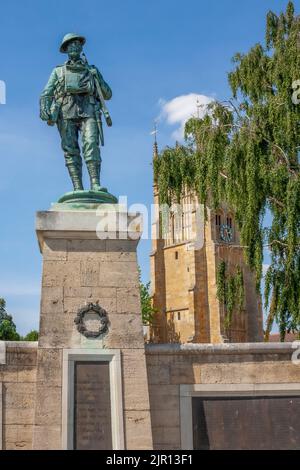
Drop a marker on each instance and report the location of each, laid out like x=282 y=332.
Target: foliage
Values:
x=3 y=313
x=8 y=331
x=246 y=151
x=230 y=291
x=173 y=172
x=33 y=335
x=147 y=308
x=221 y=281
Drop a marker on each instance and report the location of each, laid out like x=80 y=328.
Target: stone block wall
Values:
x=17 y=383
x=184 y=287
x=79 y=269
x=171 y=366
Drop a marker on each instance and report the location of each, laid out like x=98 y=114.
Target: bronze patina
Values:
x=74 y=100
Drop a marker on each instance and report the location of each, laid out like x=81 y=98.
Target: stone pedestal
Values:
x=87 y=262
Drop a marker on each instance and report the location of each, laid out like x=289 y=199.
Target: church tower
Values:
x=189 y=251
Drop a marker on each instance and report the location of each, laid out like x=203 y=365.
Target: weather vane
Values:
x=154 y=132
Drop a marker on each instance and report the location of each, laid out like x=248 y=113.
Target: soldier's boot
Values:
x=94 y=172
x=75 y=173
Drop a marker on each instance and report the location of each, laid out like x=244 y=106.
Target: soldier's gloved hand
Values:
x=45 y=104
x=44 y=114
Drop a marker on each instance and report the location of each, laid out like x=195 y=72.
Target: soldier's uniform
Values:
x=71 y=101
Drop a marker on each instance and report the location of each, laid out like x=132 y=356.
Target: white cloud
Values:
x=180 y=109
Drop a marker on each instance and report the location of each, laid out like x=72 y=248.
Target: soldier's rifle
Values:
x=102 y=102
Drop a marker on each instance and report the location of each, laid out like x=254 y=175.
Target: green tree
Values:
x=230 y=291
x=246 y=151
x=8 y=331
x=147 y=308
x=2 y=309
x=33 y=335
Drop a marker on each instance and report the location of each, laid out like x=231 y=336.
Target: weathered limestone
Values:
x=184 y=280
x=17 y=395
x=152 y=387
x=174 y=372
x=227 y=369
x=84 y=264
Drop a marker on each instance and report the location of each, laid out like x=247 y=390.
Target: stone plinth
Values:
x=89 y=260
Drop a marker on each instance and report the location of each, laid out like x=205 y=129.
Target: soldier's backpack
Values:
x=78 y=80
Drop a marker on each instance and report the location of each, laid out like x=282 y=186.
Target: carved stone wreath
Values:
x=81 y=324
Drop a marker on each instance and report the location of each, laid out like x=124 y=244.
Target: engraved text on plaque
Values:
x=92 y=407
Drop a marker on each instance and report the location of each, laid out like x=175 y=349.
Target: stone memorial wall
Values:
x=176 y=374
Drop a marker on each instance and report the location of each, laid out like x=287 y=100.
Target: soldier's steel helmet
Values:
x=70 y=37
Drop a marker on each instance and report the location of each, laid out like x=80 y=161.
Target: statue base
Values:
x=91 y=335
x=82 y=199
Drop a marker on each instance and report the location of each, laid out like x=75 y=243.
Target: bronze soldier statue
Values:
x=74 y=100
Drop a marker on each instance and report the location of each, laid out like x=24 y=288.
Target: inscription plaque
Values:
x=92 y=406
x=246 y=423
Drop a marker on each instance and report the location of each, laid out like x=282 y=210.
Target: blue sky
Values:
x=150 y=52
